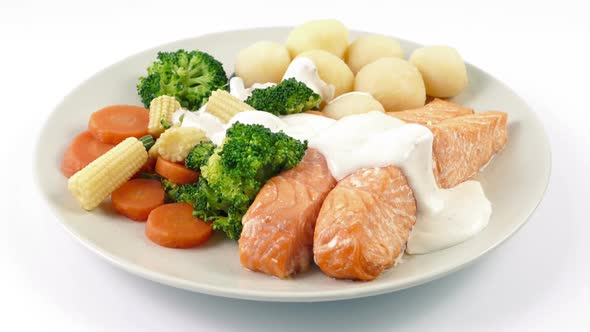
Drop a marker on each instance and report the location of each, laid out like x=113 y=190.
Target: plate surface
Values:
x=514 y=181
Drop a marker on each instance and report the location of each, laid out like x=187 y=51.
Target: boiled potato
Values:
x=369 y=48
x=395 y=83
x=442 y=69
x=332 y=70
x=262 y=62
x=327 y=35
x=352 y=103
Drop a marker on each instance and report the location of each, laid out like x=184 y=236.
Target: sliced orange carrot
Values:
x=175 y=172
x=137 y=198
x=174 y=226
x=115 y=123
x=82 y=151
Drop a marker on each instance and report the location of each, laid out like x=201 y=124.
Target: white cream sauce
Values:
x=445 y=216
x=304 y=70
x=239 y=90
x=214 y=129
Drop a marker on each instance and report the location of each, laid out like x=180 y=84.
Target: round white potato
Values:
x=395 y=83
x=332 y=70
x=369 y=48
x=352 y=103
x=262 y=62
x=442 y=69
x=327 y=35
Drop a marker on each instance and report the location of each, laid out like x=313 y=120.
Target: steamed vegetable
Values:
x=100 y=178
x=288 y=97
x=137 y=198
x=161 y=110
x=82 y=151
x=175 y=172
x=234 y=173
x=174 y=226
x=171 y=190
x=199 y=155
x=176 y=143
x=190 y=77
x=224 y=106
x=115 y=123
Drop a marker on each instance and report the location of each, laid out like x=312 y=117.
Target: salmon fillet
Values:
x=464 y=144
x=278 y=228
x=432 y=113
x=464 y=141
x=365 y=221
x=364 y=224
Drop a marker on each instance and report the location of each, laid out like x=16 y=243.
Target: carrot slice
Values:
x=174 y=226
x=175 y=172
x=115 y=123
x=137 y=198
x=82 y=151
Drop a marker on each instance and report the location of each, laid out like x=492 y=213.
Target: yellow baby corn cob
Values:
x=161 y=110
x=224 y=106
x=175 y=143
x=91 y=185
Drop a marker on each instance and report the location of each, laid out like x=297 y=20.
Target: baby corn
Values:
x=224 y=106
x=175 y=143
x=95 y=182
x=161 y=110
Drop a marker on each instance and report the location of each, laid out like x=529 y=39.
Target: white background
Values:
x=539 y=280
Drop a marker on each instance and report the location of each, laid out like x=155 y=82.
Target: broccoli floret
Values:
x=187 y=193
x=188 y=76
x=171 y=189
x=199 y=155
x=179 y=193
x=288 y=97
x=233 y=173
x=249 y=156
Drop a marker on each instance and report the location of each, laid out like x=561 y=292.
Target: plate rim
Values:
x=262 y=295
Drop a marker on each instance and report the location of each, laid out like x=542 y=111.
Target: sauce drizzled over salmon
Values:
x=390 y=196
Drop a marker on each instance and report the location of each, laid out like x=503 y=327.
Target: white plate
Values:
x=514 y=182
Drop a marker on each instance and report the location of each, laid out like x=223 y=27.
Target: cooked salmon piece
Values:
x=278 y=230
x=432 y=113
x=364 y=224
x=464 y=144
x=365 y=221
x=464 y=141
